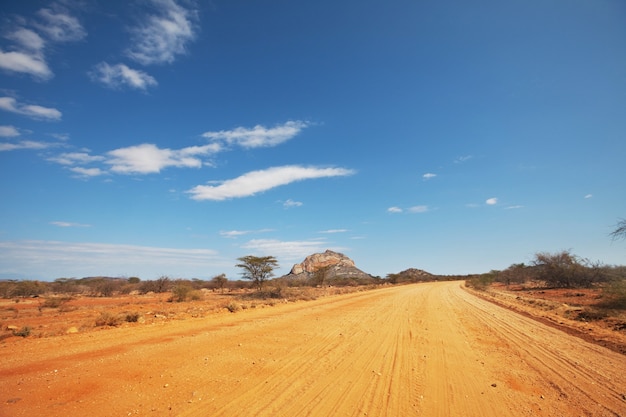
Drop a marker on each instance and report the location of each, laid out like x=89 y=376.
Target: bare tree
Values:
x=620 y=230
x=257 y=269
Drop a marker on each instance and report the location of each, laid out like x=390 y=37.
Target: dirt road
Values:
x=418 y=350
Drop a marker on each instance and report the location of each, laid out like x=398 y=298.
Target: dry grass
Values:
x=55 y=315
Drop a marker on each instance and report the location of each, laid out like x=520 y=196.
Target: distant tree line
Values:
x=553 y=270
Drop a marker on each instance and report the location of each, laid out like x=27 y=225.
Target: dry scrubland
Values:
x=58 y=314
x=430 y=349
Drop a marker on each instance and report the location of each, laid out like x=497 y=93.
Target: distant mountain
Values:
x=413 y=275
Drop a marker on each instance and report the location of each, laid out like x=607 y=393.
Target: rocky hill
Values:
x=332 y=264
x=412 y=275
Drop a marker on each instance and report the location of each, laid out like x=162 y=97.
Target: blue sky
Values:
x=162 y=137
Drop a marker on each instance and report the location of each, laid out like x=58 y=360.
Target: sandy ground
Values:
x=424 y=350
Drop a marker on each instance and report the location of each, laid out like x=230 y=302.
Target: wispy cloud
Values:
x=286 y=250
x=120 y=75
x=588 y=196
x=162 y=35
x=69 y=224
x=333 y=231
x=87 y=172
x=258 y=136
x=8 y=131
x=291 y=203
x=63 y=259
x=514 y=207
x=429 y=176
x=148 y=158
x=237 y=233
x=31 y=110
x=257 y=181
x=491 y=201
x=463 y=159
x=26 y=144
x=27 y=56
x=413 y=209
x=74 y=158
x=58 y=25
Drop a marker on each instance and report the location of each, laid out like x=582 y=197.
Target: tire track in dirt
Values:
x=417 y=350
x=577 y=371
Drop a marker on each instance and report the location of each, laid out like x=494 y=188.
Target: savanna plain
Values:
x=427 y=349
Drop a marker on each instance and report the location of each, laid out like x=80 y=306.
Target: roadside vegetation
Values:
x=562 y=285
x=64 y=298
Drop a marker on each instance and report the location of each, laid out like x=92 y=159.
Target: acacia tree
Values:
x=220 y=281
x=257 y=269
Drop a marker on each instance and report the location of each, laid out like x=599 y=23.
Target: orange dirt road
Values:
x=418 y=350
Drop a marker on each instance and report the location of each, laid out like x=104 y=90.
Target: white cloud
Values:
x=8 y=131
x=87 y=172
x=237 y=233
x=291 y=203
x=162 y=36
x=26 y=63
x=263 y=180
x=514 y=207
x=115 y=76
x=588 y=196
x=59 y=25
x=36 y=112
x=69 y=224
x=258 y=136
x=413 y=209
x=429 y=176
x=491 y=201
x=26 y=144
x=74 y=158
x=332 y=231
x=148 y=158
x=28 y=57
x=27 y=39
x=52 y=259
x=289 y=250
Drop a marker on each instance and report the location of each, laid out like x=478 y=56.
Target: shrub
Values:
x=23 y=332
x=615 y=295
x=481 y=282
x=233 y=307
x=195 y=295
x=180 y=292
x=55 y=302
x=566 y=270
x=132 y=317
x=108 y=319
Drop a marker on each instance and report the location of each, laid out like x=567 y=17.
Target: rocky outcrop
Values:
x=335 y=265
x=321 y=260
